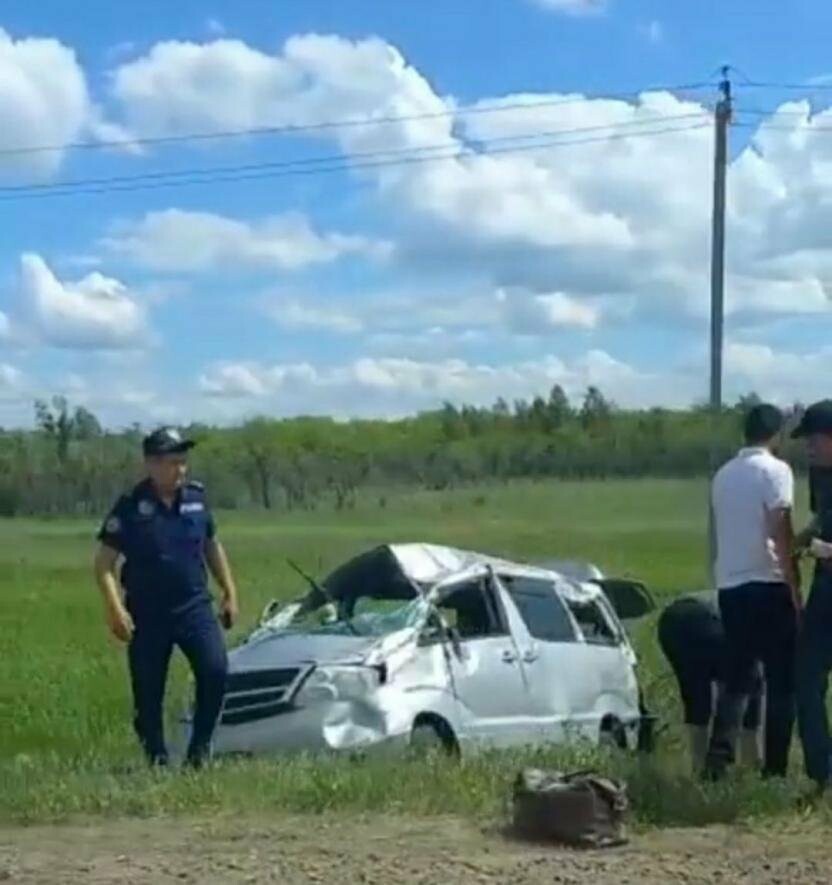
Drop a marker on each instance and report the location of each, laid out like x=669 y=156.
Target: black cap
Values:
x=816 y=419
x=166 y=441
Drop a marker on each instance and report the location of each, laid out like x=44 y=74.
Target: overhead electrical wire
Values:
x=341 y=163
x=349 y=123
x=805 y=87
x=359 y=156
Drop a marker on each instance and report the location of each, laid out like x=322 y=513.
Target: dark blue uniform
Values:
x=815 y=653
x=166 y=593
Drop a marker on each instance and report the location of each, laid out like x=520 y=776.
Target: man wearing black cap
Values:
x=815 y=649
x=164 y=533
x=759 y=593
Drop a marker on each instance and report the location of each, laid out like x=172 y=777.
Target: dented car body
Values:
x=414 y=642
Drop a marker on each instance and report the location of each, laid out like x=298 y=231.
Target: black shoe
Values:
x=196 y=759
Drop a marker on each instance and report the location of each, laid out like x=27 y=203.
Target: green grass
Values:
x=64 y=698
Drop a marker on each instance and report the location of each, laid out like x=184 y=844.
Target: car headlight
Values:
x=337 y=683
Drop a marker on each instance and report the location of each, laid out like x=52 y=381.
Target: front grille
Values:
x=258 y=694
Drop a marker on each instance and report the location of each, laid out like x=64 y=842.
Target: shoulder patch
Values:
x=146 y=507
x=113 y=525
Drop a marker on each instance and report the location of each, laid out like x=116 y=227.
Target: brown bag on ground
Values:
x=581 y=809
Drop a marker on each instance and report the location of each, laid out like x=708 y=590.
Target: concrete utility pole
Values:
x=722 y=121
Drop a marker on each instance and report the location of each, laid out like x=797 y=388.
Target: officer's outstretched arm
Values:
x=221 y=570
x=118 y=618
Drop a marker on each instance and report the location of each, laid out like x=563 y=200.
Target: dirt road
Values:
x=381 y=851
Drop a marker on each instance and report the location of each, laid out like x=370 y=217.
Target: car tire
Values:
x=613 y=735
x=432 y=738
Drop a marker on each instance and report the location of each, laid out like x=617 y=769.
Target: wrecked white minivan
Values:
x=421 y=644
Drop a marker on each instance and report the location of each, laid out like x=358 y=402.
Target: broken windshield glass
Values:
x=373 y=619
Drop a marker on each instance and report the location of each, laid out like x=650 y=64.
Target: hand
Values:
x=120 y=623
x=229 y=612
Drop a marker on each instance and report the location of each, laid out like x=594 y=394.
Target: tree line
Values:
x=70 y=464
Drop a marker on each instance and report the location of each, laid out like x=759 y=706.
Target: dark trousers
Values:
x=814 y=665
x=760 y=625
x=693 y=642
x=197 y=634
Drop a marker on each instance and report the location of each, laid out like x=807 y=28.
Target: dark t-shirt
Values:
x=163 y=548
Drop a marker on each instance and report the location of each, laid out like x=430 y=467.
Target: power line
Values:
x=343 y=165
x=773 y=127
x=359 y=157
x=805 y=87
x=350 y=123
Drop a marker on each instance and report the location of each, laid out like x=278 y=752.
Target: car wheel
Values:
x=432 y=738
x=613 y=735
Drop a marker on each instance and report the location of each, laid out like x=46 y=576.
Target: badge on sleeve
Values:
x=146 y=508
x=113 y=525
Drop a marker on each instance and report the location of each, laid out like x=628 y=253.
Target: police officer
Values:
x=693 y=642
x=164 y=534
x=815 y=646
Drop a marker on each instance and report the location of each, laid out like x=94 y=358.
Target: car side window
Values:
x=541 y=608
x=473 y=610
x=593 y=622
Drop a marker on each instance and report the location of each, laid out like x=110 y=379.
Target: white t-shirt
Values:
x=744 y=492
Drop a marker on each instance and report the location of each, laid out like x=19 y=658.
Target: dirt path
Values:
x=380 y=851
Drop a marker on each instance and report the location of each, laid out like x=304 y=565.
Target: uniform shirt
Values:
x=163 y=548
x=820 y=500
x=744 y=492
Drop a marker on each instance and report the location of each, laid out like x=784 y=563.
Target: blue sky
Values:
x=384 y=291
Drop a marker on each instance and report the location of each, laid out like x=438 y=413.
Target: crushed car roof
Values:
x=401 y=570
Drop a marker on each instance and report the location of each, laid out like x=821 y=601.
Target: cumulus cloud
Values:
x=179 y=240
x=536 y=313
x=44 y=101
x=95 y=312
x=294 y=315
x=622 y=219
x=394 y=385
x=11 y=382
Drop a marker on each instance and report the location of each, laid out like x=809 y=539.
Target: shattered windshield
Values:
x=371 y=618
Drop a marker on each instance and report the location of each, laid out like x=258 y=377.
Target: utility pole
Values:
x=722 y=121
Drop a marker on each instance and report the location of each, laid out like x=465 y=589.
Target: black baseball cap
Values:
x=166 y=441
x=816 y=419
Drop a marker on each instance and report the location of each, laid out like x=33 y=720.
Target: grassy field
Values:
x=66 y=745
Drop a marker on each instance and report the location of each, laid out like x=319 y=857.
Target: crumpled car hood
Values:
x=279 y=649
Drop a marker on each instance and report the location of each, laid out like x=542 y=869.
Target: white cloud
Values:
x=294 y=315
x=613 y=220
x=782 y=376
x=43 y=102
x=394 y=385
x=95 y=312
x=179 y=240
x=11 y=382
x=538 y=313
x=574 y=7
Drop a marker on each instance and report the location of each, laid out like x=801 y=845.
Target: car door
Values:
x=562 y=680
x=606 y=651
x=495 y=707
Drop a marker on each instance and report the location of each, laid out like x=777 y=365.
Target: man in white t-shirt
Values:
x=759 y=594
